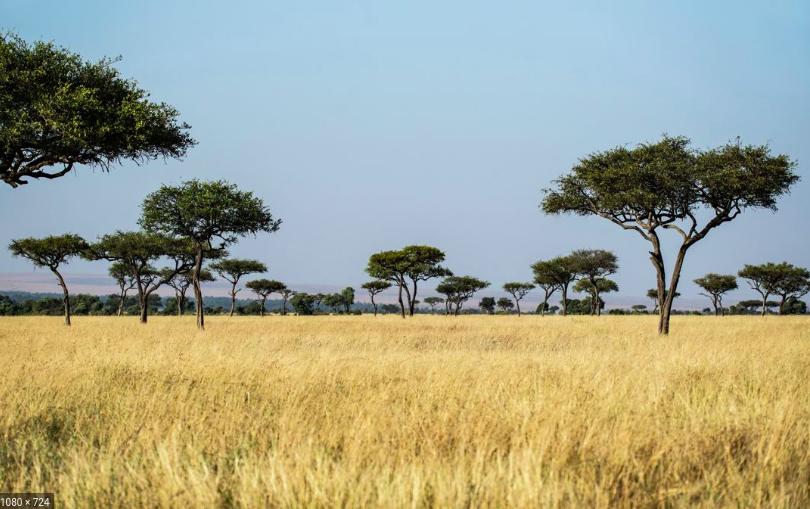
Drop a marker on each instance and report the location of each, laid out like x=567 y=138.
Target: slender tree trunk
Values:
x=198 y=297
x=180 y=302
x=142 y=298
x=598 y=304
x=764 y=302
x=145 y=307
x=121 y=302
x=65 y=295
x=666 y=309
x=407 y=294
x=261 y=310
x=782 y=305
x=283 y=305
x=401 y=303
x=233 y=297
x=412 y=300
x=565 y=300
x=661 y=283
x=374 y=304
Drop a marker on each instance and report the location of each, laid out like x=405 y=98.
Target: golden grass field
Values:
x=434 y=411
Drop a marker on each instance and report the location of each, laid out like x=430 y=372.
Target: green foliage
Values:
x=715 y=285
x=51 y=251
x=460 y=289
x=57 y=110
x=233 y=269
x=669 y=185
x=409 y=264
x=204 y=211
x=303 y=303
x=375 y=287
x=505 y=304
x=487 y=304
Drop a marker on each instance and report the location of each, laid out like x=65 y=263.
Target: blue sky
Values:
x=372 y=125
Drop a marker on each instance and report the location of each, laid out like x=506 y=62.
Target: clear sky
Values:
x=372 y=125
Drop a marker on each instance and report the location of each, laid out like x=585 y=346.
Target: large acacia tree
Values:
x=668 y=185
x=232 y=270
x=206 y=213
x=52 y=252
x=58 y=111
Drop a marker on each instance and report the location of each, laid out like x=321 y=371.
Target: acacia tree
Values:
x=410 y=264
x=763 y=279
x=58 y=111
x=205 y=212
x=459 y=289
x=545 y=277
x=262 y=288
x=138 y=251
x=505 y=304
x=180 y=282
x=432 y=301
x=594 y=289
x=594 y=265
x=557 y=273
x=51 y=252
x=518 y=291
x=123 y=278
x=669 y=186
x=285 y=294
x=374 y=288
x=487 y=304
x=714 y=286
x=232 y=270
x=793 y=285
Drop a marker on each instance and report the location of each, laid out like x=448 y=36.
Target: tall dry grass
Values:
x=430 y=411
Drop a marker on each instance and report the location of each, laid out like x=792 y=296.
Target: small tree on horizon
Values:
x=263 y=288
x=180 y=282
x=374 y=288
x=233 y=269
x=123 y=278
x=556 y=274
x=505 y=304
x=594 y=265
x=432 y=301
x=52 y=252
x=459 y=289
x=667 y=185
x=518 y=290
x=595 y=288
x=715 y=286
x=487 y=304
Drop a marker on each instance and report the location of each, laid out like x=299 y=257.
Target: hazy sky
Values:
x=372 y=125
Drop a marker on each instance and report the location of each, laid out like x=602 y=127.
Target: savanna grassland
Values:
x=432 y=411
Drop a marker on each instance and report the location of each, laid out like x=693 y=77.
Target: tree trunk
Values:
x=374 y=304
x=517 y=306
x=142 y=299
x=412 y=300
x=261 y=311
x=65 y=295
x=233 y=298
x=145 y=307
x=121 y=303
x=597 y=303
x=401 y=303
x=283 y=305
x=198 y=298
x=782 y=305
x=565 y=300
x=179 y=301
x=661 y=284
x=666 y=309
